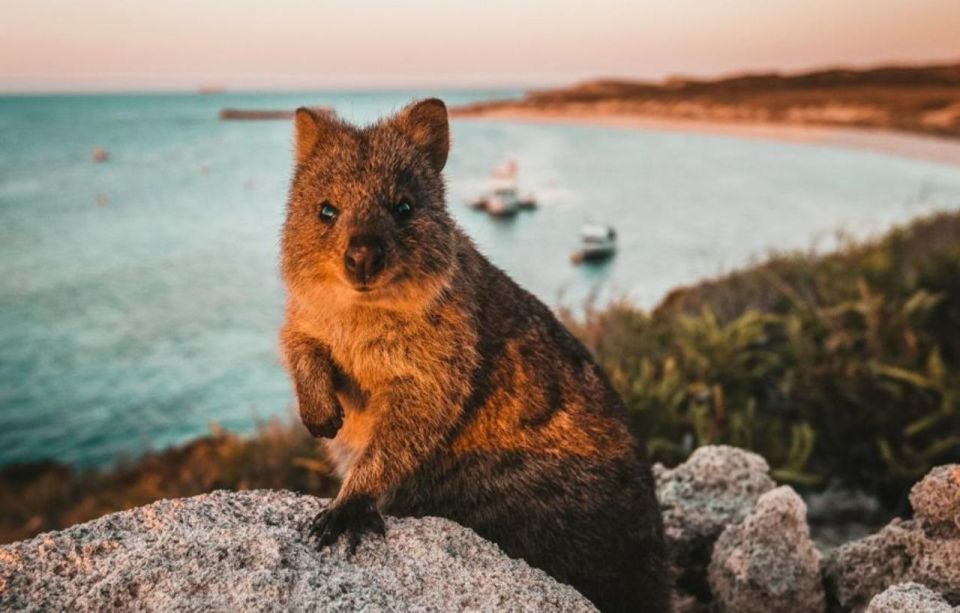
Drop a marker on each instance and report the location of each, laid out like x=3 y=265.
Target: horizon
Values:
x=218 y=89
x=106 y=46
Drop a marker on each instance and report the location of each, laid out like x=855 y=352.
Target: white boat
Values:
x=503 y=199
x=599 y=243
x=501 y=205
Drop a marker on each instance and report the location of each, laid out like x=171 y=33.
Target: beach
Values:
x=939 y=149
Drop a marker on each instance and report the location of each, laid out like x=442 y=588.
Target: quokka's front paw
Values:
x=353 y=517
x=322 y=418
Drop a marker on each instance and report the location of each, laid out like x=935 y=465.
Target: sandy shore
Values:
x=917 y=146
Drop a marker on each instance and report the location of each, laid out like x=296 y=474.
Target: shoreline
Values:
x=936 y=149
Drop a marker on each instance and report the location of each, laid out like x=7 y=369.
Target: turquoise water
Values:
x=139 y=298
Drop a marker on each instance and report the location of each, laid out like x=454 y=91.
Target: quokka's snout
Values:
x=365 y=258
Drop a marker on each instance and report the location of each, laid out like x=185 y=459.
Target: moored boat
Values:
x=503 y=199
x=598 y=244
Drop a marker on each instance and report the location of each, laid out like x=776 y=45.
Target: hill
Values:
x=923 y=99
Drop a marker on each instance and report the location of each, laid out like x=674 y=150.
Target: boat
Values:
x=503 y=199
x=599 y=243
x=501 y=205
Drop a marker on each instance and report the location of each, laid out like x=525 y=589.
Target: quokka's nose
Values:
x=364 y=258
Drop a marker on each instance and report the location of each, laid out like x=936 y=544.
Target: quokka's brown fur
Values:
x=443 y=387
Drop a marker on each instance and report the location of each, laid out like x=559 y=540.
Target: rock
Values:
x=905 y=597
x=716 y=486
x=936 y=501
x=923 y=550
x=244 y=551
x=768 y=562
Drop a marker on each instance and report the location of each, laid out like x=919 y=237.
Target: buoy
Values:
x=99 y=154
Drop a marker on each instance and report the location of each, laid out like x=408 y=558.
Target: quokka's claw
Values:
x=351 y=517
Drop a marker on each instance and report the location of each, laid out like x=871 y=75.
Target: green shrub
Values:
x=842 y=366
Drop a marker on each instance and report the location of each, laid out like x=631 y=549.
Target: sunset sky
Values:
x=177 y=44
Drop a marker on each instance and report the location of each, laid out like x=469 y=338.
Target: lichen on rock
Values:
x=246 y=551
x=906 y=597
x=924 y=550
x=768 y=562
x=717 y=486
x=936 y=501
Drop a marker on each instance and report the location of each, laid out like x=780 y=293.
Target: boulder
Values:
x=242 y=551
x=936 y=501
x=768 y=562
x=924 y=550
x=715 y=487
x=905 y=597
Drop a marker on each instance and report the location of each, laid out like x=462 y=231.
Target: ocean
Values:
x=140 y=297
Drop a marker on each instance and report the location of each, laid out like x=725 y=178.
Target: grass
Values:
x=838 y=367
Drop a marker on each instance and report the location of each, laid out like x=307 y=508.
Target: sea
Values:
x=140 y=296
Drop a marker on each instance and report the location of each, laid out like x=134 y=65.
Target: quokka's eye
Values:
x=403 y=209
x=328 y=212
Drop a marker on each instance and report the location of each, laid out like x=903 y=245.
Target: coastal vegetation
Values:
x=44 y=496
x=923 y=99
x=839 y=367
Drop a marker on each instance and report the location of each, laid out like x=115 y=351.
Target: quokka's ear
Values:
x=311 y=126
x=425 y=122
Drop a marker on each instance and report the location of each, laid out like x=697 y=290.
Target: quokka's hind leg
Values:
x=632 y=579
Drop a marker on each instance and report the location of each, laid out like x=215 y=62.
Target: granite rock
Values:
x=905 y=597
x=247 y=551
x=923 y=550
x=768 y=562
x=936 y=501
x=717 y=486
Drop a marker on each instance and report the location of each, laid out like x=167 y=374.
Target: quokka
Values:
x=443 y=388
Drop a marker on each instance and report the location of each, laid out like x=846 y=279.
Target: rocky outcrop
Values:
x=768 y=562
x=906 y=597
x=924 y=550
x=736 y=543
x=720 y=509
x=717 y=486
x=247 y=551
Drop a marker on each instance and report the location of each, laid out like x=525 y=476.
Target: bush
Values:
x=833 y=367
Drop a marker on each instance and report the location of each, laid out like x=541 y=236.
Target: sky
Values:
x=291 y=44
